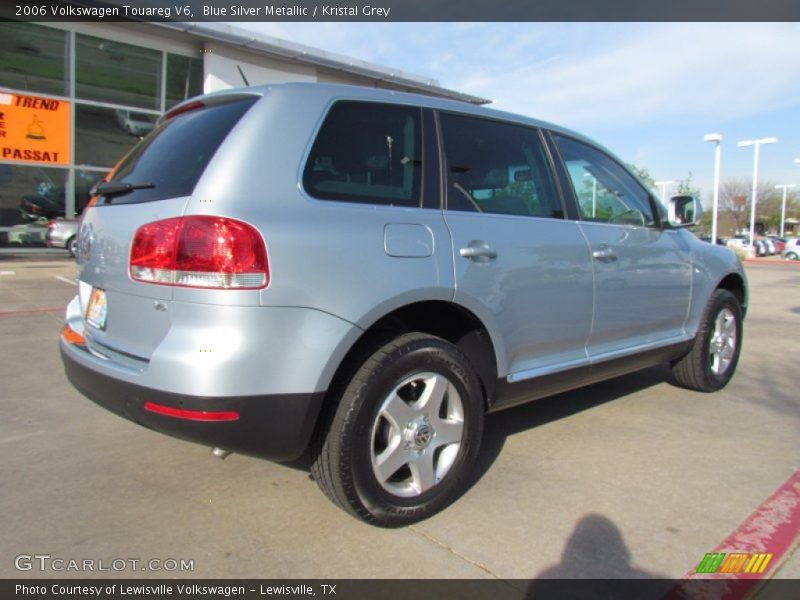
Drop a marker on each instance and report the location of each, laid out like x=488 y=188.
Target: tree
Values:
x=734 y=198
x=684 y=187
x=643 y=174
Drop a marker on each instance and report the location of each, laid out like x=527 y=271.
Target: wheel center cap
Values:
x=419 y=434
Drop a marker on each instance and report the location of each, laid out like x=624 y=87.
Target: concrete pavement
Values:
x=628 y=478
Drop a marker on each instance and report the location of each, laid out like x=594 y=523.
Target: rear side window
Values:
x=173 y=157
x=498 y=168
x=367 y=152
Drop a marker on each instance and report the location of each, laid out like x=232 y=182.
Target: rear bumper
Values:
x=274 y=426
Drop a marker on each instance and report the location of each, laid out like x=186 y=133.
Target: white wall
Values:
x=220 y=70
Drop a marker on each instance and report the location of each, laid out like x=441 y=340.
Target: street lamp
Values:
x=664 y=185
x=594 y=193
x=784 y=187
x=717 y=139
x=757 y=143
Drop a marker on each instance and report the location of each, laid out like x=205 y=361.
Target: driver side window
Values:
x=605 y=191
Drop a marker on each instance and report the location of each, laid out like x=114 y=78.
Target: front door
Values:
x=642 y=272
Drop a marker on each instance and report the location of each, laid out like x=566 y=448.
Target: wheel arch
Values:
x=441 y=318
x=734 y=283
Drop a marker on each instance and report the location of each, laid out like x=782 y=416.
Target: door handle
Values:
x=604 y=254
x=479 y=251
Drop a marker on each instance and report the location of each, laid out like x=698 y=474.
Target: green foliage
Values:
x=644 y=175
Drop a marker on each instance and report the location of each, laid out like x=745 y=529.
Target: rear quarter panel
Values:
x=326 y=255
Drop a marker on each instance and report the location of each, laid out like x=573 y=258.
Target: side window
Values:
x=367 y=152
x=606 y=192
x=498 y=168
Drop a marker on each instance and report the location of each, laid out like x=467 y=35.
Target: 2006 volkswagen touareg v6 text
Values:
x=358 y=276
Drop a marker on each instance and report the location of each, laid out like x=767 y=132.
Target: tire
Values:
x=389 y=456
x=792 y=256
x=711 y=362
x=72 y=246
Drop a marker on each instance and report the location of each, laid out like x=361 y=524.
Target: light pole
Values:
x=663 y=185
x=754 y=198
x=594 y=193
x=717 y=139
x=784 y=187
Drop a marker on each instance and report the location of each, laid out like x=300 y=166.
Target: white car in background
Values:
x=138 y=124
x=792 y=249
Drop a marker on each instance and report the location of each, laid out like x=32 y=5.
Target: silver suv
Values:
x=358 y=276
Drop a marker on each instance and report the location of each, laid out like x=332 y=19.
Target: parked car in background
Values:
x=780 y=243
x=772 y=249
x=137 y=124
x=359 y=276
x=707 y=238
x=46 y=203
x=63 y=233
x=792 y=249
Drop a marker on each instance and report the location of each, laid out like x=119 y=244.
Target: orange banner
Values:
x=34 y=129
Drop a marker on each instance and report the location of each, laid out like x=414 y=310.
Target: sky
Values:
x=647 y=91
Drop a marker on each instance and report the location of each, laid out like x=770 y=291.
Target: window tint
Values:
x=367 y=152
x=606 y=192
x=174 y=156
x=497 y=168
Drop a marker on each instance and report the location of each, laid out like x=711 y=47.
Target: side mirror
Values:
x=684 y=211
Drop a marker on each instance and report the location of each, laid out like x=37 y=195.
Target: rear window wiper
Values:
x=113 y=188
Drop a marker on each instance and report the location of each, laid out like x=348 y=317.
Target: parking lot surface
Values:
x=628 y=478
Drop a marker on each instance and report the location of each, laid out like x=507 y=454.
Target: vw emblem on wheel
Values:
x=423 y=435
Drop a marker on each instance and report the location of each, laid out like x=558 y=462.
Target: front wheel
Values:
x=711 y=362
x=405 y=434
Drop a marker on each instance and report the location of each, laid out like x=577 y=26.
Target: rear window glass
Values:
x=367 y=152
x=173 y=157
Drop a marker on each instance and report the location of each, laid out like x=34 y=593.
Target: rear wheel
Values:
x=72 y=246
x=792 y=256
x=711 y=362
x=405 y=434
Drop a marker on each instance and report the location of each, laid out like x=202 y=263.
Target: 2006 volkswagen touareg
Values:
x=359 y=276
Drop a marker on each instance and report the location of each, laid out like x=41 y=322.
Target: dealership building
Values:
x=75 y=97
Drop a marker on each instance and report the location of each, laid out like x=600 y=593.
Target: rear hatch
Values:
x=152 y=183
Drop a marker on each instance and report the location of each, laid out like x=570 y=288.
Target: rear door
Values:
x=519 y=264
x=642 y=272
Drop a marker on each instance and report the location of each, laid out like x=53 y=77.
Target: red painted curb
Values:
x=773 y=528
x=761 y=261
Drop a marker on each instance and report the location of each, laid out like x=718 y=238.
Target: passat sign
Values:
x=34 y=129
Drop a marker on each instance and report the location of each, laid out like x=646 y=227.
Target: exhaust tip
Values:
x=220 y=453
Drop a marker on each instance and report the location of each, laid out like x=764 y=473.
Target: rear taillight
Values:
x=200 y=251
x=51 y=224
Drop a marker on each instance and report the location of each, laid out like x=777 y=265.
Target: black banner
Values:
x=390 y=589
x=401 y=10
